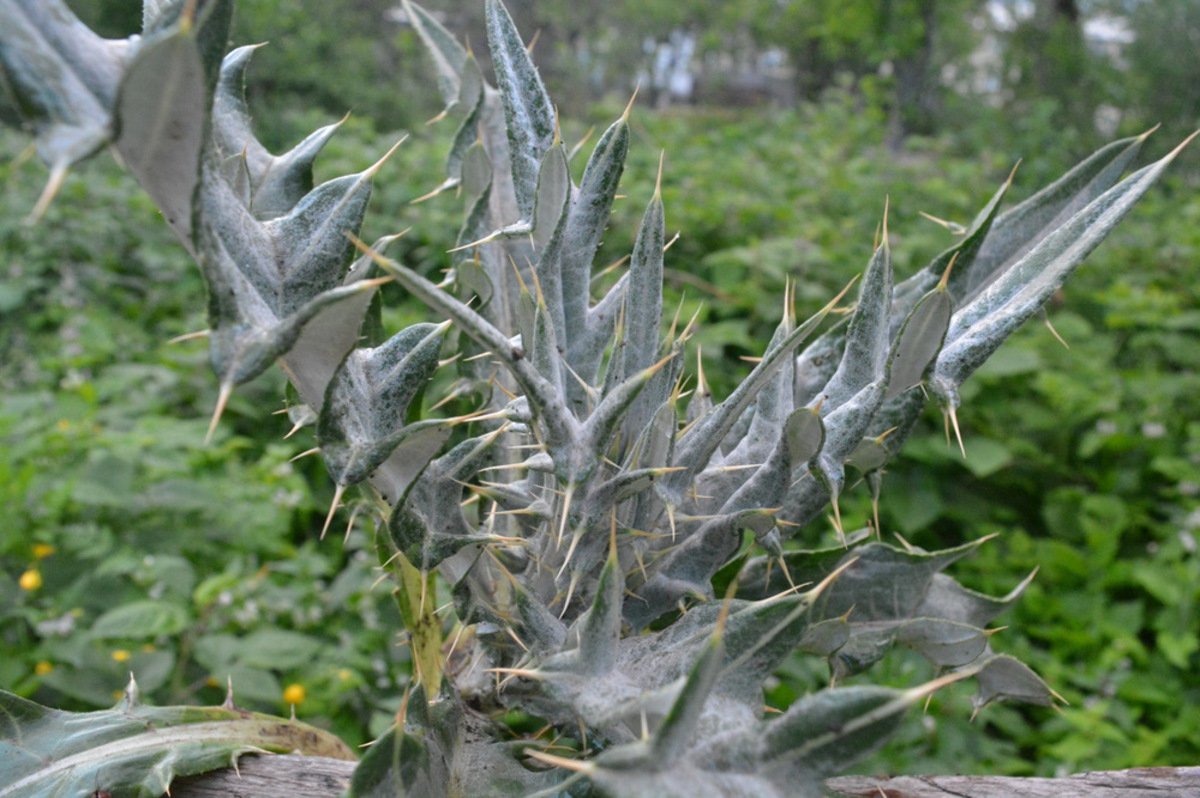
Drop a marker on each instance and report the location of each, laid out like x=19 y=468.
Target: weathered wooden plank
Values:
x=279 y=776
x=270 y=776
x=1163 y=782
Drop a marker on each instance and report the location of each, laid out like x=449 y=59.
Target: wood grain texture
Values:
x=270 y=776
x=289 y=776
x=1183 y=782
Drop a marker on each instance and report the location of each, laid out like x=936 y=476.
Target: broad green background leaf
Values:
x=142 y=620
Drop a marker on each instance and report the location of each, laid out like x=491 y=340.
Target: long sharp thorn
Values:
x=189 y=336
x=837 y=521
x=333 y=506
x=1054 y=332
x=570 y=553
x=832 y=577
x=942 y=283
x=350 y=525
x=487 y=239
x=304 y=454
x=375 y=167
x=957 y=432
x=57 y=175
x=786 y=573
x=580 y=144
x=887 y=201
x=229 y=704
x=562 y=526
x=570 y=593
x=222 y=399
x=575 y=765
x=629 y=106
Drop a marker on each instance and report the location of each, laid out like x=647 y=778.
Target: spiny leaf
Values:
x=267 y=279
x=601 y=633
x=1018 y=230
x=643 y=300
x=134 y=749
x=1004 y=678
x=528 y=113
x=679 y=726
x=325 y=339
x=863 y=360
x=697 y=445
x=827 y=732
x=275 y=183
x=919 y=341
x=978 y=329
x=162 y=105
x=587 y=218
x=562 y=430
x=64 y=79
x=366 y=403
x=447 y=54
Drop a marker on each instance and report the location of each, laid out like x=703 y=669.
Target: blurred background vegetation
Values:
x=128 y=546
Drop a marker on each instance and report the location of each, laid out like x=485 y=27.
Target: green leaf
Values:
x=643 y=298
x=946 y=644
x=277 y=649
x=141 y=620
x=473 y=94
x=986 y=456
x=679 y=726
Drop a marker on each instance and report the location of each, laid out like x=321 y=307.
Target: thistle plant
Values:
x=579 y=514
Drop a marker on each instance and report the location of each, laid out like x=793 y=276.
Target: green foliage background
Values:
x=191 y=565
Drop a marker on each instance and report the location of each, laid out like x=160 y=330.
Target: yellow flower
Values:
x=344 y=675
x=63 y=425
x=294 y=694
x=121 y=655
x=43 y=667
x=42 y=550
x=30 y=580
